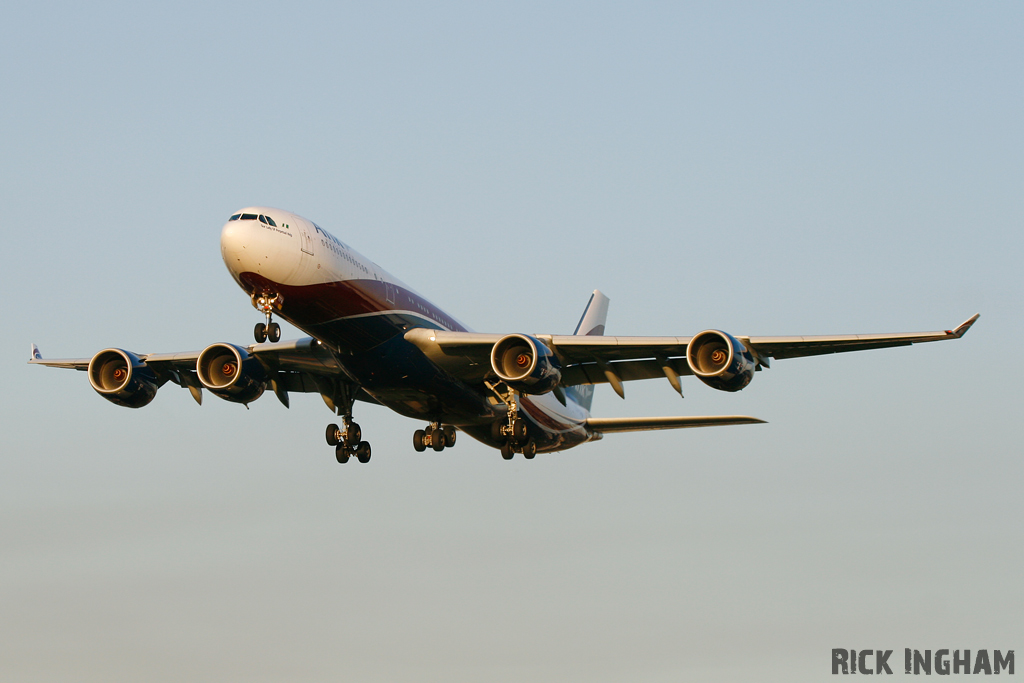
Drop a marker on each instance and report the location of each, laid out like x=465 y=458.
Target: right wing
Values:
x=299 y=366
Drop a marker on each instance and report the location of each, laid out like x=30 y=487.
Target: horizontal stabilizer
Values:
x=608 y=425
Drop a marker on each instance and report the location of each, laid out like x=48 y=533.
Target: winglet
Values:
x=966 y=325
x=35 y=354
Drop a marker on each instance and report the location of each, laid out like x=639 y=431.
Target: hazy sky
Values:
x=790 y=169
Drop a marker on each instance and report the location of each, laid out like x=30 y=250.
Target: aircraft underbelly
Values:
x=399 y=376
x=366 y=322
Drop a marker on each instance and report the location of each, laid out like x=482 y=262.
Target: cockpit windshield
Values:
x=266 y=220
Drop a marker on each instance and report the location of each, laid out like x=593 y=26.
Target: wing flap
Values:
x=627 y=371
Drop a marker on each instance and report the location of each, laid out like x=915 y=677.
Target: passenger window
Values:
x=248 y=217
x=235 y=217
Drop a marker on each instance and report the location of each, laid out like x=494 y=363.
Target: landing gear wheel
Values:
x=449 y=436
x=274 y=332
x=530 y=449
x=341 y=452
x=437 y=439
x=506 y=451
x=363 y=451
x=496 y=430
x=333 y=432
x=417 y=440
x=260 y=332
x=354 y=434
x=519 y=431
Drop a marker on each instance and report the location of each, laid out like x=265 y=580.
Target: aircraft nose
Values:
x=236 y=240
x=249 y=246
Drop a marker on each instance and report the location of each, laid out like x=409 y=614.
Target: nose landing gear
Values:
x=269 y=330
x=264 y=331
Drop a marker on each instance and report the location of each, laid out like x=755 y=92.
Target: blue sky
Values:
x=805 y=168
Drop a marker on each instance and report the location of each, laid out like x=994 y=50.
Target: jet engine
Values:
x=525 y=364
x=122 y=378
x=720 y=360
x=230 y=373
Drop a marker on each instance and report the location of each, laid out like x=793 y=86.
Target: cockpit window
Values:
x=270 y=221
x=235 y=217
x=263 y=219
x=248 y=217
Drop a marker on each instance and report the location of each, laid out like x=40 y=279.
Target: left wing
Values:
x=597 y=359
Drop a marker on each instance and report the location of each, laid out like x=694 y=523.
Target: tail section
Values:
x=591 y=324
x=594 y=316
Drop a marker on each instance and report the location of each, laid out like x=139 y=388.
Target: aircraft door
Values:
x=305 y=238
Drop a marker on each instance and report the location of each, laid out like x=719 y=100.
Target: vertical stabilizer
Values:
x=591 y=324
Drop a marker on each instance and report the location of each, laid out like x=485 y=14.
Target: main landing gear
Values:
x=347 y=441
x=436 y=436
x=269 y=330
x=512 y=433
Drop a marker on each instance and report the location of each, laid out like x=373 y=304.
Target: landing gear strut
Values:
x=436 y=436
x=268 y=330
x=513 y=432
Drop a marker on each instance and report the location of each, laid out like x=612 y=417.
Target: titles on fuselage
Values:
x=344 y=251
x=340 y=248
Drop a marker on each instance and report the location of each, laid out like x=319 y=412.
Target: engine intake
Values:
x=526 y=364
x=122 y=378
x=720 y=360
x=231 y=373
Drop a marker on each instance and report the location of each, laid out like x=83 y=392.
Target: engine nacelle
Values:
x=230 y=373
x=122 y=378
x=720 y=360
x=526 y=364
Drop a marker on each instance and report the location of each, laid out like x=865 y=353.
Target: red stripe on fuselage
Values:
x=329 y=301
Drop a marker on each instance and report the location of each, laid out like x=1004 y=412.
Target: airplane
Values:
x=374 y=339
